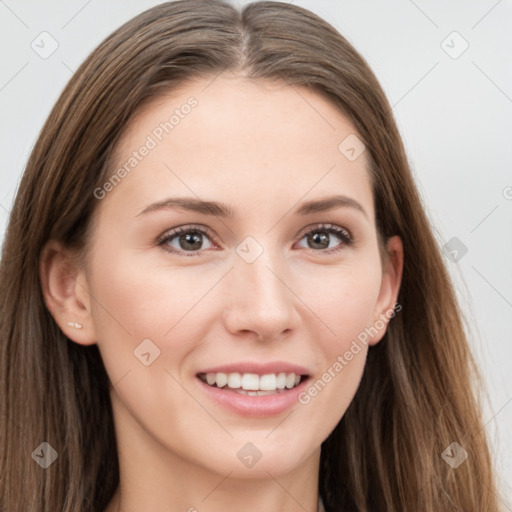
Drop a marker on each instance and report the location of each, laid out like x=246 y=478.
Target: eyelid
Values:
x=325 y=226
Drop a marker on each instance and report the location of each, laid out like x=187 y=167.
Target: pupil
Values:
x=193 y=239
x=320 y=238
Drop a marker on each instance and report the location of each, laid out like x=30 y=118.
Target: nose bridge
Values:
x=260 y=300
x=264 y=283
x=261 y=278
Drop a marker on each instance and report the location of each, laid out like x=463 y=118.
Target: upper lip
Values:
x=258 y=368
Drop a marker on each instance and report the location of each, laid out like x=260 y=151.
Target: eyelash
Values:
x=342 y=233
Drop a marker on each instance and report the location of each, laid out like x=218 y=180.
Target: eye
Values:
x=189 y=240
x=321 y=237
x=186 y=239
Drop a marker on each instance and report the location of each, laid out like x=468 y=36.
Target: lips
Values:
x=253 y=389
x=256 y=404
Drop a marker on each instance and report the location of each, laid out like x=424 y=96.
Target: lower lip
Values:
x=254 y=406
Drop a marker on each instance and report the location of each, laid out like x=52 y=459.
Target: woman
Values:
x=220 y=288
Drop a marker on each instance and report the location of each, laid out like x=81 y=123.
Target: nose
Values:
x=261 y=298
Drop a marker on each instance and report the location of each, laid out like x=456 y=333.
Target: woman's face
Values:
x=235 y=287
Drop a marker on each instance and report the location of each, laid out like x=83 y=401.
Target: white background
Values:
x=455 y=115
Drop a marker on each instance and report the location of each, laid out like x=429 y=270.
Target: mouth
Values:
x=253 y=384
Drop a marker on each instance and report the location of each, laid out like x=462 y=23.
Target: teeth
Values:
x=281 y=381
x=220 y=378
x=257 y=393
x=268 y=382
x=252 y=383
x=234 y=380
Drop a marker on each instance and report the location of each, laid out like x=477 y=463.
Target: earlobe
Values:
x=65 y=292
x=390 y=287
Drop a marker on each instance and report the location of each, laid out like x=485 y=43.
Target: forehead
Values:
x=243 y=140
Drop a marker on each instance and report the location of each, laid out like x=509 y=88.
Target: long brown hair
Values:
x=418 y=392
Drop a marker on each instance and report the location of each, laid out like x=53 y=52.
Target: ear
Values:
x=393 y=262
x=66 y=292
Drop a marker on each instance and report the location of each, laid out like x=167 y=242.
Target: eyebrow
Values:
x=329 y=203
x=222 y=210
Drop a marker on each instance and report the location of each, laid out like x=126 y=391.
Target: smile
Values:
x=253 y=384
x=254 y=390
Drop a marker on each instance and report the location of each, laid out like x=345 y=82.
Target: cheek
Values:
x=136 y=301
x=345 y=304
x=147 y=300
x=344 y=300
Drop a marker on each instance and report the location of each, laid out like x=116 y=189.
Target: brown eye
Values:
x=323 y=238
x=319 y=240
x=186 y=240
x=190 y=241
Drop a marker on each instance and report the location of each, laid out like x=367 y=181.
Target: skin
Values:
x=263 y=149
